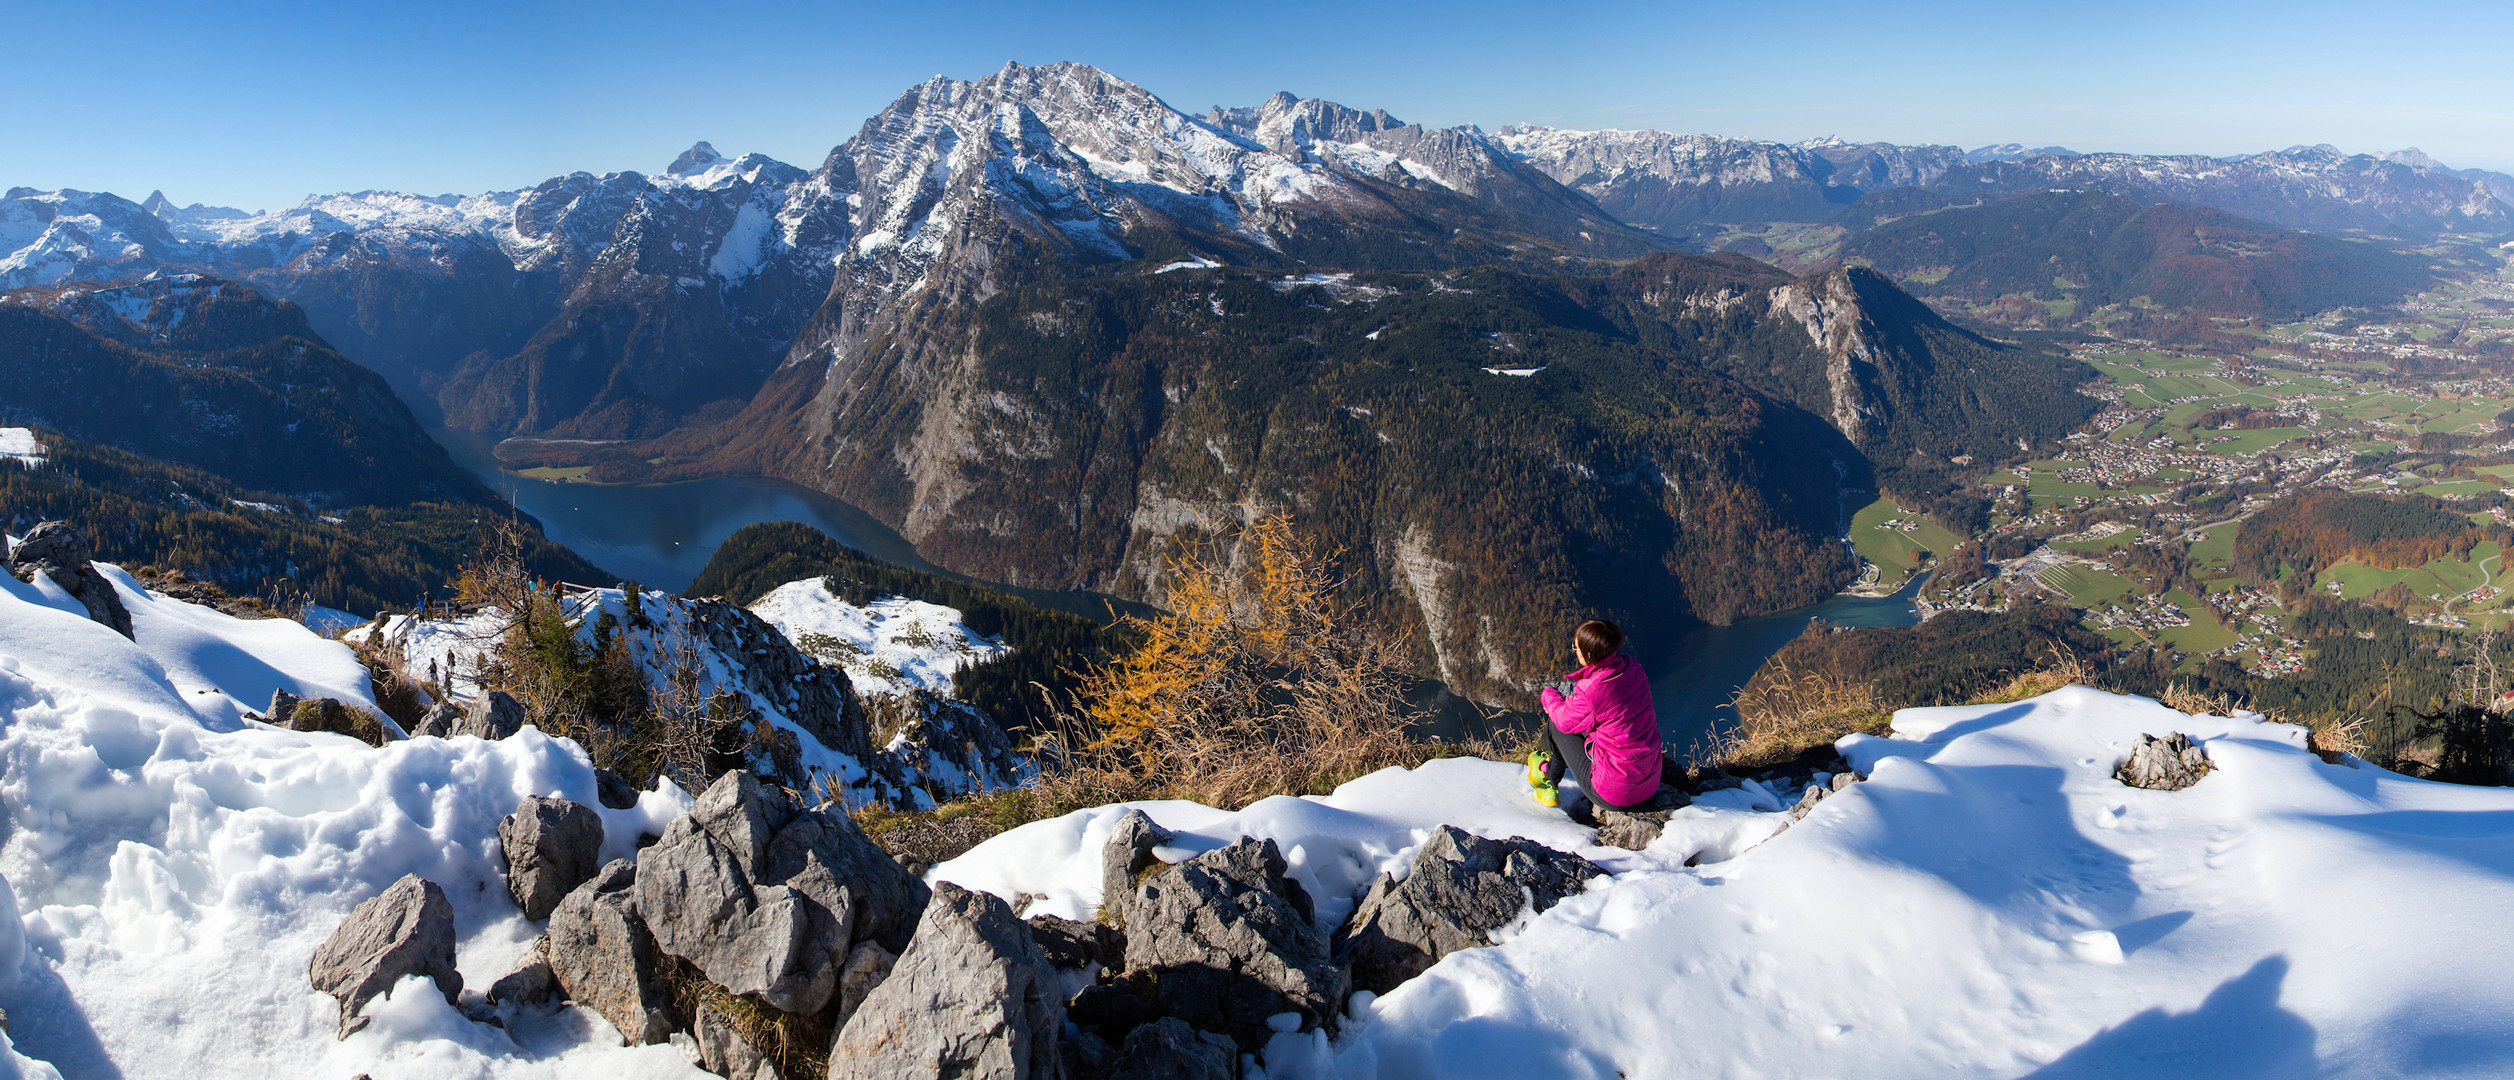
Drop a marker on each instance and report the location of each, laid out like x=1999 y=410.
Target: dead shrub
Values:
x=1263 y=680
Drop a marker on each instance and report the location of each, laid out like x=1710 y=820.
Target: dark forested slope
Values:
x=2098 y=248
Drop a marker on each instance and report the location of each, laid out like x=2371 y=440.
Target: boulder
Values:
x=283 y=706
x=604 y=958
x=530 y=982
x=768 y=899
x=440 y=721
x=58 y=550
x=867 y=966
x=552 y=846
x=1168 y=1049
x=722 y=1048
x=1125 y=858
x=971 y=997
x=1633 y=829
x=1460 y=888
x=1225 y=941
x=1071 y=945
x=408 y=929
x=492 y=715
x=613 y=791
x=2171 y=763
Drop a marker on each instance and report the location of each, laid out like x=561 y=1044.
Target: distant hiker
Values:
x=1606 y=731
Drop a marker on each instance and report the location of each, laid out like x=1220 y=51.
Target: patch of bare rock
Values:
x=775 y=941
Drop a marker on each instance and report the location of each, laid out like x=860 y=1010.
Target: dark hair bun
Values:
x=1598 y=639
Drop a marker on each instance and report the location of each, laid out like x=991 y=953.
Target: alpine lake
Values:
x=661 y=535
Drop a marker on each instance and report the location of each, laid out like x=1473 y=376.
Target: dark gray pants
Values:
x=1571 y=753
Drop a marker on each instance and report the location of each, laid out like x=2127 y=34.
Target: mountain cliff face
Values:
x=598 y=306
x=213 y=375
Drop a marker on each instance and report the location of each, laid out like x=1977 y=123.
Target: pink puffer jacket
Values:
x=1610 y=703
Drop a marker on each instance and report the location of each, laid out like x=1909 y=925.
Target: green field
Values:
x=2087 y=586
x=1898 y=552
x=574 y=473
x=2215 y=550
x=2435 y=580
x=2457 y=487
x=2205 y=634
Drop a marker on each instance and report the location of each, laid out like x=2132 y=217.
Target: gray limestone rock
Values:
x=59 y=551
x=552 y=846
x=283 y=705
x=1124 y=859
x=1224 y=941
x=867 y=966
x=531 y=982
x=723 y=1051
x=1071 y=945
x=1460 y=888
x=604 y=958
x=613 y=791
x=1168 y=1049
x=408 y=929
x=440 y=721
x=971 y=997
x=492 y=715
x=768 y=899
x=2171 y=763
x=1633 y=829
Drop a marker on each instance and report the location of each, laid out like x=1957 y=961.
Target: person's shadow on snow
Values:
x=2239 y=1031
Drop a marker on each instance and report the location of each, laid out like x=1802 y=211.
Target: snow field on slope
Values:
x=1989 y=903
x=899 y=644
x=176 y=869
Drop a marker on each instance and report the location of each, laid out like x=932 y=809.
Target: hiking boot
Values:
x=1538 y=759
x=1546 y=794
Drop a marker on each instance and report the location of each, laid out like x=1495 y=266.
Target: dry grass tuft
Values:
x=1782 y=713
x=798 y=1044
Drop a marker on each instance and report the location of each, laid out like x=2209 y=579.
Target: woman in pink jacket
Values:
x=1606 y=731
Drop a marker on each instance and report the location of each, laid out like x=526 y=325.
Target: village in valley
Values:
x=2134 y=520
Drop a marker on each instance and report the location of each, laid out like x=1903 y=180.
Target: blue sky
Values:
x=257 y=104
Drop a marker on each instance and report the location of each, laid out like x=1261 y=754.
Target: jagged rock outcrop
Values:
x=1125 y=858
x=1225 y=941
x=767 y=898
x=440 y=721
x=408 y=929
x=58 y=550
x=971 y=997
x=2171 y=763
x=492 y=715
x=1460 y=888
x=604 y=958
x=552 y=846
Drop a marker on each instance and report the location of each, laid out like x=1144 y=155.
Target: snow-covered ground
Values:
x=174 y=866
x=889 y=646
x=1990 y=902
x=20 y=445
